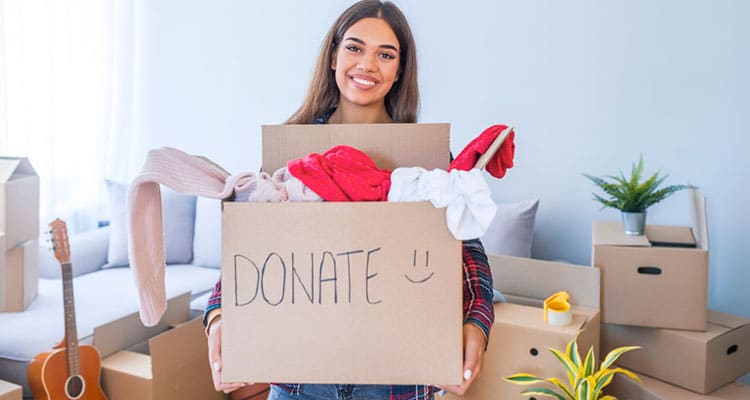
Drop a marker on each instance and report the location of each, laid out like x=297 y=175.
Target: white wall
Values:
x=589 y=85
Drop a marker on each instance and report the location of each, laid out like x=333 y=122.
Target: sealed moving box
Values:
x=658 y=279
x=20 y=276
x=699 y=361
x=653 y=389
x=520 y=339
x=19 y=201
x=168 y=361
x=343 y=292
x=10 y=391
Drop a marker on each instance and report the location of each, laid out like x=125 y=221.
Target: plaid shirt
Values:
x=477 y=288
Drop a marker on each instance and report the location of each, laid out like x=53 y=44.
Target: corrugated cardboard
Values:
x=390 y=146
x=21 y=276
x=19 y=201
x=653 y=389
x=10 y=391
x=395 y=304
x=699 y=361
x=520 y=339
x=256 y=391
x=169 y=366
x=654 y=279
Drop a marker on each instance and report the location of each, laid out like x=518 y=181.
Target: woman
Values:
x=367 y=73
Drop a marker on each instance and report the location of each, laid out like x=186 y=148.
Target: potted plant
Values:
x=585 y=382
x=632 y=196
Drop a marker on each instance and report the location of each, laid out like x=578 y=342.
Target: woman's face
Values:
x=366 y=62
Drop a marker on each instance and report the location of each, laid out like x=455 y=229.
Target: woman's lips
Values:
x=363 y=81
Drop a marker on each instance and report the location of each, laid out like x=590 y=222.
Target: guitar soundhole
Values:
x=74 y=387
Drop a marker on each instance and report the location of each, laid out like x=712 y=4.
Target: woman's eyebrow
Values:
x=362 y=42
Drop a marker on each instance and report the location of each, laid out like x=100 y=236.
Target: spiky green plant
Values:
x=632 y=195
x=585 y=382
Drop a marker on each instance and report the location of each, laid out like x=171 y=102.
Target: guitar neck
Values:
x=71 y=333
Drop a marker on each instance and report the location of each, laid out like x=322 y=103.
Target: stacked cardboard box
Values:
x=520 y=339
x=19 y=232
x=653 y=389
x=10 y=391
x=654 y=295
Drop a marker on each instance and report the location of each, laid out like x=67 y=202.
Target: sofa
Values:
x=104 y=287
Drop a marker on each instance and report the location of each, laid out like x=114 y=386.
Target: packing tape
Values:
x=557 y=311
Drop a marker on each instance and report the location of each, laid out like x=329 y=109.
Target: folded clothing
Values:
x=342 y=173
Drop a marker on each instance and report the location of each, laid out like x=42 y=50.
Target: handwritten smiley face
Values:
x=420 y=275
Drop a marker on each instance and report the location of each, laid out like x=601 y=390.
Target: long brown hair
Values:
x=401 y=102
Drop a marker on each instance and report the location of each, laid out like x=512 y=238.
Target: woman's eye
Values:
x=387 y=56
x=353 y=49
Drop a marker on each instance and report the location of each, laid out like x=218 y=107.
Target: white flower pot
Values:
x=634 y=223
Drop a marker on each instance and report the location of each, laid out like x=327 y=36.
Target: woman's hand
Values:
x=214 y=358
x=474 y=344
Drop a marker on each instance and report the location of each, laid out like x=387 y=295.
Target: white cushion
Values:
x=178 y=213
x=511 y=232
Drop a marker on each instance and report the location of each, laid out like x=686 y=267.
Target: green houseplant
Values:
x=632 y=196
x=584 y=381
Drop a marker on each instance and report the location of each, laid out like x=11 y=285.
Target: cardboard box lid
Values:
x=15 y=168
x=533 y=318
x=389 y=145
x=129 y=330
x=519 y=278
x=611 y=233
x=168 y=350
x=653 y=389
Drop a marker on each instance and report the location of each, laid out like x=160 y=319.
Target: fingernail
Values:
x=467 y=374
x=216 y=366
x=442 y=392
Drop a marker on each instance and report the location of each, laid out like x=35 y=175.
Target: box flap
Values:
x=611 y=233
x=128 y=331
x=699 y=218
x=168 y=354
x=726 y=320
x=529 y=278
x=129 y=362
x=15 y=167
x=533 y=318
x=389 y=145
x=672 y=236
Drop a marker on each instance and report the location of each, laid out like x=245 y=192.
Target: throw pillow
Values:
x=178 y=214
x=207 y=239
x=511 y=232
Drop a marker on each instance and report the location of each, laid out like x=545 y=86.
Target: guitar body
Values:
x=48 y=377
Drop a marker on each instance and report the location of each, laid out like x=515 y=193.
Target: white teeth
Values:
x=363 y=82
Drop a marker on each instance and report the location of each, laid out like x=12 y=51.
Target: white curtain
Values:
x=66 y=78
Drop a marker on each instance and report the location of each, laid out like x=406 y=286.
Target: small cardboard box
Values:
x=345 y=292
x=658 y=279
x=20 y=276
x=653 y=389
x=19 y=201
x=166 y=362
x=699 y=361
x=10 y=391
x=520 y=338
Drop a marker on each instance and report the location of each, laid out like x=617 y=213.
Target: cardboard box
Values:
x=256 y=391
x=655 y=279
x=19 y=201
x=699 y=361
x=20 y=276
x=170 y=364
x=653 y=389
x=520 y=339
x=10 y=391
x=353 y=293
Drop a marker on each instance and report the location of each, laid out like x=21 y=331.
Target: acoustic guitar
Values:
x=70 y=371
